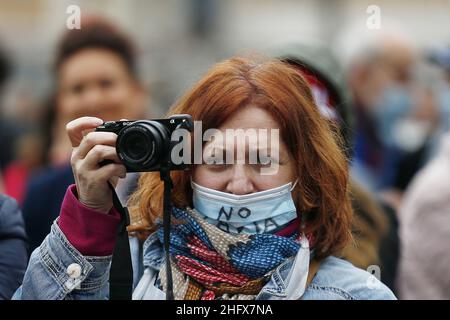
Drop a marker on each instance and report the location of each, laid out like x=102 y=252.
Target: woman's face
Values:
x=245 y=178
x=96 y=82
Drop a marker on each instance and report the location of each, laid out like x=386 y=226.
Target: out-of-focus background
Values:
x=382 y=68
x=179 y=40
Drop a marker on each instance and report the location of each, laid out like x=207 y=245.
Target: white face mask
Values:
x=258 y=212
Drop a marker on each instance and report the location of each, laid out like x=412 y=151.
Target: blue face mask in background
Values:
x=443 y=97
x=255 y=213
x=394 y=104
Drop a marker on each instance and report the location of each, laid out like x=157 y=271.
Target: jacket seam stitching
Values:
x=338 y=291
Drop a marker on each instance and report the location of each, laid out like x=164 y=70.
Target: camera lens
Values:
x=142 y=144
x=137 y=145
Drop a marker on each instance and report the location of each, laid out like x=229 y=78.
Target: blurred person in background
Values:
x=13 y=240
x=441 y=93
x=381 y=79
x=375 y=238
x=4 y=70
x=425 y=217
x=13 y=247
x=20 y=145
x=28 y=158
x=96 y=75
x=6 y=128
x=6 y=132
x=417 y=132
x=395 y=120
x=396 y=115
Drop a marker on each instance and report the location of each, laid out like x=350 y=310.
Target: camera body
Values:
x=146 y=145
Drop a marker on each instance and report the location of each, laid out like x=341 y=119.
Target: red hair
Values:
x=321 y=196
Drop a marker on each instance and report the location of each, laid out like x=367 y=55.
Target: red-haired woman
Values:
x=239 y=233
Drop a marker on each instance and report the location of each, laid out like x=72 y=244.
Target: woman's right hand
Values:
x=88 y=151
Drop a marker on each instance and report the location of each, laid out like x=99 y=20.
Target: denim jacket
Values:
x=58 y=271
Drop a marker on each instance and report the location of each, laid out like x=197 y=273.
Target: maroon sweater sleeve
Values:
x=91 y=232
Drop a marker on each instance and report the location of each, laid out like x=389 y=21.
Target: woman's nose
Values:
x=92 y=100
x=240 y=182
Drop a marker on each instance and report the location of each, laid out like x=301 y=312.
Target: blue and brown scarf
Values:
x=208 y=263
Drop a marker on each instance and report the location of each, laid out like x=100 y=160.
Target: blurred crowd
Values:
x=389 y=100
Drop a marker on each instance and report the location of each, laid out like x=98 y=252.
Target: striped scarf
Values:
x=208 y=263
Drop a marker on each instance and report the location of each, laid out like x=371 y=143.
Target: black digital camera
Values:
x=146 y=145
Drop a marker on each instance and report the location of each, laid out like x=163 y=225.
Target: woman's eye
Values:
x=77 y=89
x=216 y=165
x=106 y=83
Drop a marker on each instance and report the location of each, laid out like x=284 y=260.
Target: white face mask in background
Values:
x=258 y=212
x=411 y=134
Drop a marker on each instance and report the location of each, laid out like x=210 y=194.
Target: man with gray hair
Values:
x=380 y=77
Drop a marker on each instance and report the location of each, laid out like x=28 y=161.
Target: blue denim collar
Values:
x=276 y=286
x=153 y=252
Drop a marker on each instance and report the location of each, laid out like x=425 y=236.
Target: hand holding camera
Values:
x=146 y=145
x=91 y=177
x=117 y=147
